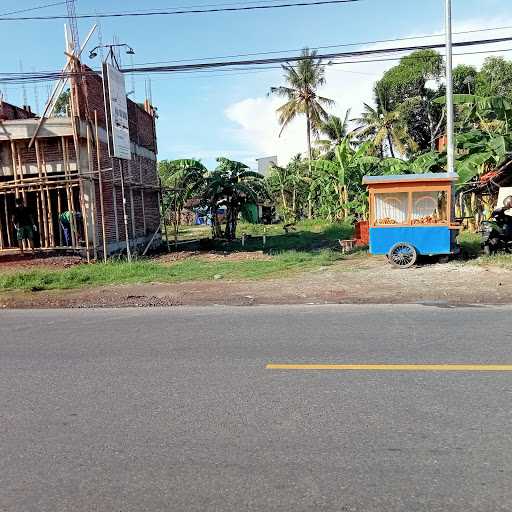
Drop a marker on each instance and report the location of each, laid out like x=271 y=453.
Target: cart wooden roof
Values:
x=410 y=178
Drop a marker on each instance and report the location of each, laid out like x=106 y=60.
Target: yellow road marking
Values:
x=397 y=367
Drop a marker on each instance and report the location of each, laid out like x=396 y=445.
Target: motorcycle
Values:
x=496 y=236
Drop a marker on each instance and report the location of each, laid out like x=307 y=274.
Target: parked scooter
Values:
x=497 y=232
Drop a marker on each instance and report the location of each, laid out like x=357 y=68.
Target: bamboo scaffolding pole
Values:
x=114 y=205
x=39 y=215
x=42 y=200
x=92 y=194
x=76 y=142
x=7 y=221
x=23 y=192
x=36 y=189
x=125 y=213
x=2 y=234
x=14 y=169
x=100 y=183
x=59 y=210
x=69 y=194
x=49 y=199
x=20 y=168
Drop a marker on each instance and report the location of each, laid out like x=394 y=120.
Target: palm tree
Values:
x=303 y=81
x=232 y=184
x=382 y=127
x=334 y=129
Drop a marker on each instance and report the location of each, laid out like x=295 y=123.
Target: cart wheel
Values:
x=402 y=255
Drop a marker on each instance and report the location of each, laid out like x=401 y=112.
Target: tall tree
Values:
x=464 y=79
x=385 y=128
x=407 y=88
x=495 y=78
x=232 y=184
x=333 y=130
x=301 y=93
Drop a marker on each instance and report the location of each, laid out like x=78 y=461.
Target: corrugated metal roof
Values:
x=408 y=178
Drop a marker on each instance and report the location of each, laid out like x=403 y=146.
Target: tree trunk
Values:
x=430 y=125
x=176 y=223
x=341 y=199
x=283 y=198
x=310 y=157
x=294 y=196
x=227 y=229
x=390 y=143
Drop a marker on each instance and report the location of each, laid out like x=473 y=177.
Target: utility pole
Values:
x=449 y=90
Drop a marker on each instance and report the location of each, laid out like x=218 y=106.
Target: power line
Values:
x=325 y=56
x=36 y=8
x=264 y=69
x=185 y=11
x=261 y=64
x=341 y=45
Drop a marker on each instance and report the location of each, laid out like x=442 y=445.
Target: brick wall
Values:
x=145 y=218
x=10 y=112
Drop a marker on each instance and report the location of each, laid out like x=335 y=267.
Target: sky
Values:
x=220 y=113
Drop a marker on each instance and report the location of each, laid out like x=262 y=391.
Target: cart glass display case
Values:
x=415 y=210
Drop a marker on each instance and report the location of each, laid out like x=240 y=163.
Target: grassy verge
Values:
x=312 y=245
x=146 y=271
x=499 y=260
x=470 y=245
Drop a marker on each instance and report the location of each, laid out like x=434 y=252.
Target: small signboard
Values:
x=116 y=113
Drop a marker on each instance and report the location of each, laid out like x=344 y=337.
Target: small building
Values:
x=265 y=163
x=68 y=168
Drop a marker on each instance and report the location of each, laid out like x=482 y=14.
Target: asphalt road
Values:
x=174 y=410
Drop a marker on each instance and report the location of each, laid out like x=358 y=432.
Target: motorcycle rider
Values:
x=502 y=218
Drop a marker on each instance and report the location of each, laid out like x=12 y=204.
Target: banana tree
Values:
x=232 y=184
x=181 y=179
x=344 y=173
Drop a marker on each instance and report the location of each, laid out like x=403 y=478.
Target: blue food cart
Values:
x=412 y=215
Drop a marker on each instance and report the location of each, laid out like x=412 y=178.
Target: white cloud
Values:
x=350 y=86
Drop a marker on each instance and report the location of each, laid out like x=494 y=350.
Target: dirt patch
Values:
x=12 y=262
x=356 y=279
x=213 y=256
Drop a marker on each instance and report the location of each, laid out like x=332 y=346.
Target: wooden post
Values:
x=92 y=193
x=39 y=219
x=59 y=209
x=143 y=211
x=100 y=183
x=14 y=170
x=69 y=193
x=114 y=204
x=51 y=230
x=41 y=198
x=125 y=213
x=75 y=120
x=1 y=236
x=7 y=221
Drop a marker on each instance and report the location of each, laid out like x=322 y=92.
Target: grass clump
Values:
x=147 y=271
x=470 y=244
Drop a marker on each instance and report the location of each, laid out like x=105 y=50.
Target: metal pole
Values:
x=449 y=90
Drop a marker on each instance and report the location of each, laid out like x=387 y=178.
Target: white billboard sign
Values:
x=119 y=133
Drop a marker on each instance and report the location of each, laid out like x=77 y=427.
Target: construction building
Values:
x=62 y=163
